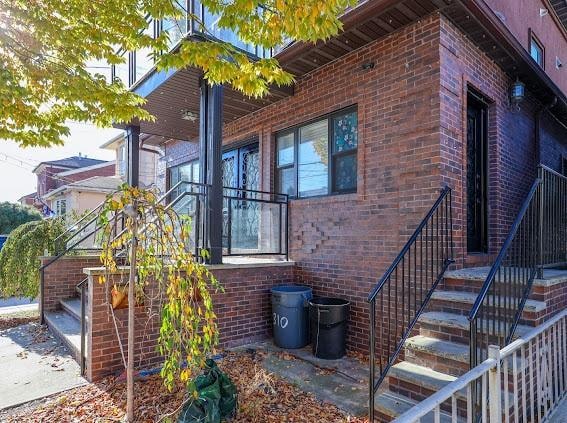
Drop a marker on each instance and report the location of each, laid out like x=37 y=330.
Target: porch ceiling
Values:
x=178 y=93
x=368 y=21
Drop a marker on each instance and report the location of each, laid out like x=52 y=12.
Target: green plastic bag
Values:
x=217 y=397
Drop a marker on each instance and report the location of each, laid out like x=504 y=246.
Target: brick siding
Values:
x=243 y=310
x=411 y=121
x=61 y=278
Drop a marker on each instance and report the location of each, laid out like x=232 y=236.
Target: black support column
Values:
x=133 y=155
x=210 y=139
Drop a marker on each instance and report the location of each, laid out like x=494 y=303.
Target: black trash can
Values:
x=328 y=327
x=290 y=312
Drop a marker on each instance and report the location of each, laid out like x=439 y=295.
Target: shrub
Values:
x=19 y=258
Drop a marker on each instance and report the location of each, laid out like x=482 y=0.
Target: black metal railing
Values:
x=82 y=286
x=537 y=239
x=254 y=222
x=553 y=246
x=405 y=289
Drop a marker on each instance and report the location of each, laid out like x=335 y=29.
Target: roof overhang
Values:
x=476 y=19
x=173 y=97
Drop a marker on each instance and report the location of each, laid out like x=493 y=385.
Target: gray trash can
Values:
x=290 y=312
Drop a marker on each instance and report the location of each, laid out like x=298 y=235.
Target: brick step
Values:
x=442 y=356
x=389 y=406
x=454 y=327
x=419 y=382
x=461 y=302
x=67 y=328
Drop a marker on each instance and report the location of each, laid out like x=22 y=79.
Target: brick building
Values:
x=410 y=97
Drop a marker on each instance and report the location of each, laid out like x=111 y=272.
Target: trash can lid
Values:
x=329 y=302
x=291 y=289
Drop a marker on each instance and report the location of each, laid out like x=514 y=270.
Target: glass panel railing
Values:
x=210 y=20
x=121 y=71
x=254 y=222
x=143 y=58
x=176 y=28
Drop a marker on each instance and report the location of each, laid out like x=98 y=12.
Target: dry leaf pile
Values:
x=7 y=322
x=262 y=398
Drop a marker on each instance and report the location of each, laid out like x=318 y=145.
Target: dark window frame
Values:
x=533 y=39
x=169 y=185
x=331 y=155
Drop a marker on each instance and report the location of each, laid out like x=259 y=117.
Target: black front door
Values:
x=241 y=170
x=477 y=175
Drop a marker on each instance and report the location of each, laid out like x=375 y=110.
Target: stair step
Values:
x=470 y=298
x=73 y=307
x=67 y=328
x=423 y=377
x=444 y=349
x=393 y=405
x=456 y=321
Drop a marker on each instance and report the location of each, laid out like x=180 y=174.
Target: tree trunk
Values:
x=131 y=329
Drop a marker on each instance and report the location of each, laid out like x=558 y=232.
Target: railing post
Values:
x=41 y=295
x=494 y=388
x=372 y=360
x=540 y=222
x=83 y=331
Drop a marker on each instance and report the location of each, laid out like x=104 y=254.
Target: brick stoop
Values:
x=65 y=324
x=438 y=350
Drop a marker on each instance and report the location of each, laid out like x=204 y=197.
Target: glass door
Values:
x=241 y=216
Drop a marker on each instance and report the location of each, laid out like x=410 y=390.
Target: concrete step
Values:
x=73 y=307
x=67 y=328
x=468 y=299
x=455 y=327
x=389 y=406
x=422 y=378
x=442 y=356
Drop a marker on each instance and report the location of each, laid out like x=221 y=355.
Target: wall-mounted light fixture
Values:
x=367 y=66
x=517 y=93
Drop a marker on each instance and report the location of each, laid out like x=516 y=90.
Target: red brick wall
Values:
x=243 y=311
x=343 y=243
x=61 y=278
x=108 y=170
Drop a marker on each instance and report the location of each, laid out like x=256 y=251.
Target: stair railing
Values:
x=404 y=291
x=537 y=239
x=83 y=287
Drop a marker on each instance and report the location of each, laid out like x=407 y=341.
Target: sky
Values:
x=17 y=163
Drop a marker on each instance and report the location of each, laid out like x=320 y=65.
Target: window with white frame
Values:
x=60 y=207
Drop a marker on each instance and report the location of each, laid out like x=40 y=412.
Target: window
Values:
x=187 y=172
x=537 y=51
x=318 y=158
x=60 y=207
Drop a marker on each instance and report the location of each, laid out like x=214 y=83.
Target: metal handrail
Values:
x=537 y=237
x=501 y=255
x=433 y=238
x=82 y=286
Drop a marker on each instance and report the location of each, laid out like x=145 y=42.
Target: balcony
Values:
x=139 y=64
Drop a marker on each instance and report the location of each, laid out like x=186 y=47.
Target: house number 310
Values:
x=280 y=321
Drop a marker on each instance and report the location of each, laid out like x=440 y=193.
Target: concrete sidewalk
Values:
x=16 y=305
x=34 y=364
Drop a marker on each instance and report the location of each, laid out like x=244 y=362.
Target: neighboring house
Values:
x=81 y=196
x=56 y=175
x=148 y=160
x=410 y=97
